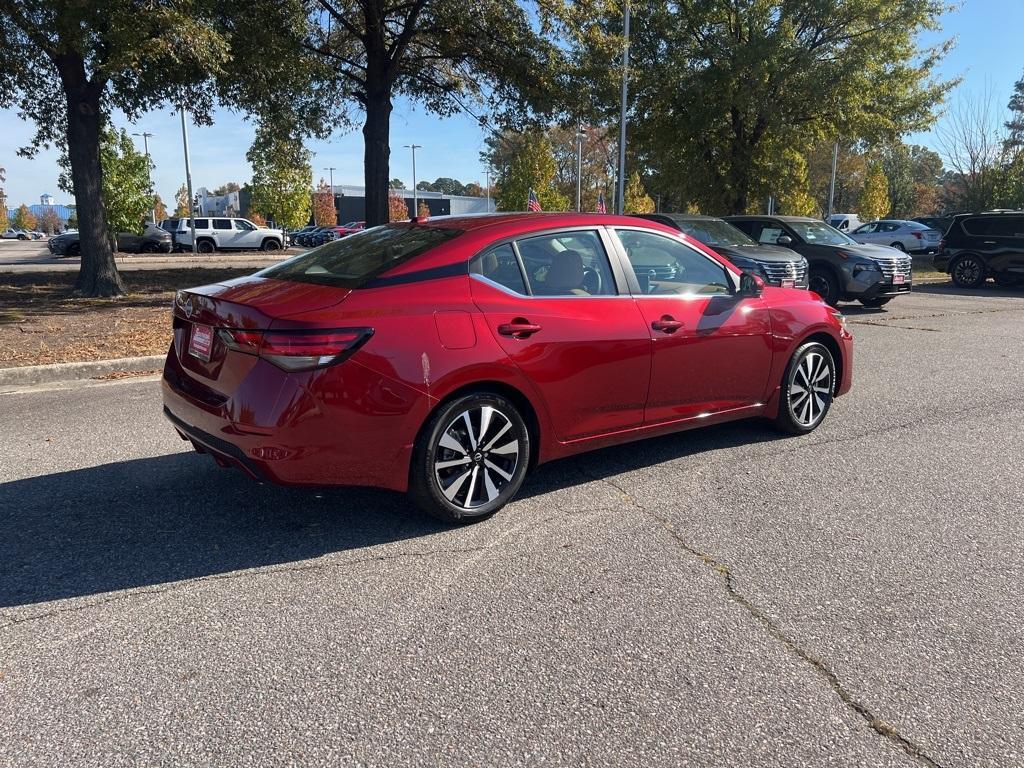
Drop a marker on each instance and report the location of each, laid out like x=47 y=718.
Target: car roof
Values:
x=479 y=221
x=676 y=216
x=773 y=217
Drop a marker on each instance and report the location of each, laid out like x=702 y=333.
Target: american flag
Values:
x=532 y=204
x=601 y=207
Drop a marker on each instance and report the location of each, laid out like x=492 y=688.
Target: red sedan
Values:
x=446 y=357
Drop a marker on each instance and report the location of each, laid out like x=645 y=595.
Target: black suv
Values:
x=772 y=263
x=841 y=269
x=982 y=245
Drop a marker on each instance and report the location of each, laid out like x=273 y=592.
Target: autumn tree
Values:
x=635 y=197
x=49 y=222
x=181 y=207
x=23 y=218
x=281 y=174
x=325 y=213
x=532 y=168
x=160 y=210
x=713 y=81
x=398 y=209
x=449 y=55
x=423 y=211
x=874 y=198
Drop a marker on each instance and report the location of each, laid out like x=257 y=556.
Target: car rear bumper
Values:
x=342 y=425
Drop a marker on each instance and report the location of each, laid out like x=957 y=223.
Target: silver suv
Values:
x=226 y=234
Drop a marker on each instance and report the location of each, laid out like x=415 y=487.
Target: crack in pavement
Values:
x=11 y=621
x=880 y=324
x=877 y=724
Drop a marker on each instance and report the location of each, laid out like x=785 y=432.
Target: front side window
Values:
x=819 y=233
x=1008 y=226
x=867 y=229
x=567 y=264
x=243 y=226
x=666 y=266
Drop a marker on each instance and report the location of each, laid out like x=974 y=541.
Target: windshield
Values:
x=714 y=232
x=820 y=233
x=353 y=260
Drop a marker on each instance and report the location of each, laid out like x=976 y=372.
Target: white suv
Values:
x=225 y=234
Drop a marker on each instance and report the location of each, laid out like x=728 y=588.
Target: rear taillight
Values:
x=918 y=235
x=298 y=350
x=942 y=244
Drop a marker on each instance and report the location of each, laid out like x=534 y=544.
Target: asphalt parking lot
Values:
x=719 y=597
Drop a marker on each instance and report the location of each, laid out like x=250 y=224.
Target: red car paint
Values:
x=597 y=373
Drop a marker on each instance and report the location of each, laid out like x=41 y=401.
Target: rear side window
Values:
x=1008 y=226
x=501 y=266
x=980 y=227
x=352 y=261
x=222 y=223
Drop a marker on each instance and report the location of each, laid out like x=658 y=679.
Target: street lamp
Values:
x=488 y=171
x=620 y=206
x=149 y=168
x=415 y=196
x=579 y=168
x=188 y=179
x=331 y=170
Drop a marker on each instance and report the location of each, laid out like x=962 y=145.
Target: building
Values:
x=209 y=204
x=47 y=200
x=350 y=202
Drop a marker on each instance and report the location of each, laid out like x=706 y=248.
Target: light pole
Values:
x=415 y=196
x=832 y=182
x=488 y=172
x=149 y=170
x=579 y=168
x=331 y=170
x=188 y=179
x=620 y=206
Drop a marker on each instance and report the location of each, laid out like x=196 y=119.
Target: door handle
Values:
x=667 y=324
x=519 y=328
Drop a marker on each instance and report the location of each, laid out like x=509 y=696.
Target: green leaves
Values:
x=532 y=167
x=281 y=174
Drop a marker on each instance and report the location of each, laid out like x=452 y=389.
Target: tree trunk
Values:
x=377 y=154
x=98 y=275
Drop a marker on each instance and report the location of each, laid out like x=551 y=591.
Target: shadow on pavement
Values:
x=151 y=521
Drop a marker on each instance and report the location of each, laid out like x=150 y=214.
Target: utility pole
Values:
x=832 y=183
x=188 y=179
x=334 y=205
x=488 y=172
x=579 y=167
x=620 y=206
x=415 y=195
x=149 y=170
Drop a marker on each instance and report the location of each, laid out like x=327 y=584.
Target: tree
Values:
x=533 y=168
x=181 y=202
x=280 y=177
x=971 y=139
x=125 y=192
x=635 y=196
x=398 y=209
x=714 y=81
x=1014 y=141
x=226 y=189
x=449 y=186
x=423 y=211
x=3 y=200
x=160 y=210
x=23 y=218
x=49 y=222
x=874 y=198
x=425 y=186
x=257 y=219
x=447 y=54
x=72 y=222
x=325 y=213
x=851 y=167
x=395 y=184
x=474 y=190
x=791 y=180
x=4 y=222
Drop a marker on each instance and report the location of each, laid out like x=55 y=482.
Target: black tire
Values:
x=899 y=246
x=1004 y=280
x=23 y=237
x=968 y=271
x=149 y=248
x=75 y=249
x=875 y=303
x=491 y=476
x=800 y=413
x=824 y=283
x=206 y=246
x=270 y=244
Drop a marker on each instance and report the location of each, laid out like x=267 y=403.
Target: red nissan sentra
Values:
x=444 y=357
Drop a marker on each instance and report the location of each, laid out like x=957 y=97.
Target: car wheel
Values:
x=470 y=458
x=22 y=237
x=271 y=245
x=875 y=303
x=898 y=246
x=75 y=249
x=824 y=283
x=968 y=272
x=205 y=246
x=149 y=248
x=807 y=387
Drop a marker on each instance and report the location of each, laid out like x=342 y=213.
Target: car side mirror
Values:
x=751 y=285
x=784 y=240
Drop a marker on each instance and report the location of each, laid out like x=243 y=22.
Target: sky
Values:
x=988 y=56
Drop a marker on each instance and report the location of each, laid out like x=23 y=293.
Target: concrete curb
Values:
x=45 y=374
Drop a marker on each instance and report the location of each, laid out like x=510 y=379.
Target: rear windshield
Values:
x=357 y=258
x=714 y=232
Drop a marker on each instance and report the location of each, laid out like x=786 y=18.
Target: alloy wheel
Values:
x=476 y=457
x=810 y=389
x=967 y=272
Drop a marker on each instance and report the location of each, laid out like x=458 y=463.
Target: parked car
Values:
x=982 y=245
x=152 y=240
x=772 y=263
x=352 y=226
x=906 y=236
x=845 y=222
x=307 y=239
x=37 y=235
x=841 y=269
x=445 y=357
x=227 y=234
x=299 y=233
x=16 y=234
